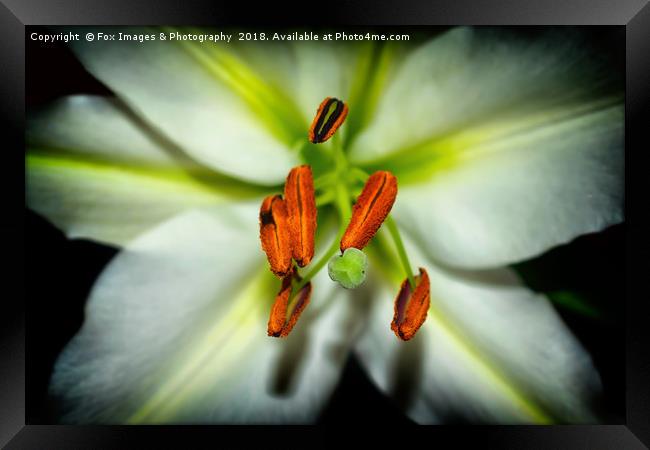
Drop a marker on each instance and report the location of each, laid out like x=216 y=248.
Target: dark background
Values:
x=60 y=273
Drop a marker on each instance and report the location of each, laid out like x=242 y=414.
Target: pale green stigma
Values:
x=349 y=269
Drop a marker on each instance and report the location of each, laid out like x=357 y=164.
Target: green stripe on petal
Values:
x=97 y=173
x=227 y=336
x=467 y=78
x=421 y=162
x=174 y=93
x=108 y=203
x=275 y=109
x=445 y=329
x=491 y=351
x=512 y=198
x=376 y=63
x=175 y=332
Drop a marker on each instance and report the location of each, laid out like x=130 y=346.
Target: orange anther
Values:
x=370 y=210
x=411 y=306
x=329 y=117
x=300 y=202
x=284 y=315
x=274 y=234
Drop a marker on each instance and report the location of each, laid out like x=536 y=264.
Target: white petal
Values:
x=175 y=332
x=180 y=89
x=95 y=174
x=504 y=146
x=512 y=198
x=95 y=128
x=281 y=381
x=490 y=351
x=469 y=77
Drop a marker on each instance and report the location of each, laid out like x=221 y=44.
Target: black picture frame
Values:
x=634 y=15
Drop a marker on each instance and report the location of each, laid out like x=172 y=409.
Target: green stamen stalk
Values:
x=331 y=251
x=325 y=199
x=401 y=251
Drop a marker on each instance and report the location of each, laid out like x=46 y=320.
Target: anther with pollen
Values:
x=370 y=210
x=286 y=310
x=411 y=306
x=274 y=234
x=299 y=198
x=330 y=116
x=287 y=231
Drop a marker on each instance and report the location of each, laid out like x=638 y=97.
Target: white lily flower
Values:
x=503 y=148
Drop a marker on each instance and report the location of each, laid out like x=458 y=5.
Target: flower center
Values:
x=288 y=230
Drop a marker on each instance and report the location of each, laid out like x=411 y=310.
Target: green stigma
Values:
x=349 y=269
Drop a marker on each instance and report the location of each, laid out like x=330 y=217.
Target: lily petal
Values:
x=94 y=128
x=175 y=332
x=202 y=97
x=301 y=73
x=468 y=77
x=515 y=198
x=95 y=174
x=513 y=146
x=490 y=351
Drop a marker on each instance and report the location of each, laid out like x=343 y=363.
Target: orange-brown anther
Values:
x=274 y=234
x=284 y=315
x=370 y=210
x=330 y=116
x=300 y=201
x=411 y=306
